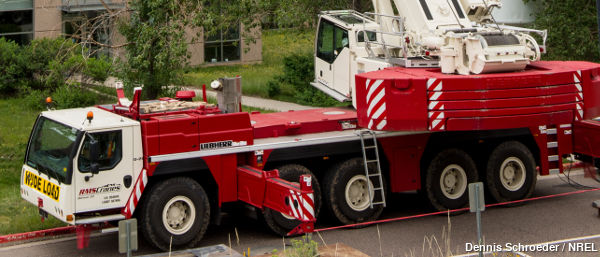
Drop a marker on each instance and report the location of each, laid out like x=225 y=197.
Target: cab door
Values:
x=103 y=182
x=332 y=62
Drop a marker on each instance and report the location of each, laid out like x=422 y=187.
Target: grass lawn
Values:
x=16 y=215
x=276 y=44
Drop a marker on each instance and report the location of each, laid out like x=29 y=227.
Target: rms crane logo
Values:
x=108 y=188
x=375 y=100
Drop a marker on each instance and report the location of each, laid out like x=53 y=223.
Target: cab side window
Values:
x=331 y=41
x=110 y=150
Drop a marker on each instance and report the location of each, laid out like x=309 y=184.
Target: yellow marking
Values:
x=41 y=185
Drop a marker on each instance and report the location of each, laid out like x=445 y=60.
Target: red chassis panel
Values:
x=425 y=99
x=587 y=138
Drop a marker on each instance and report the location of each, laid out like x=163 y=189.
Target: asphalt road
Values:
x=538 y=221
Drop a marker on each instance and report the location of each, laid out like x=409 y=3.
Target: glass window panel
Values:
x=231 y=51
x=110 y=146
x=372 y=36
x=17 y=26
x=18 y=21
x=325 y=41
x=232 y=33
x=11 y=5
x=212 y=52
x=213 y=37
x=341 y=39
x=21 y=39
x=349 y=18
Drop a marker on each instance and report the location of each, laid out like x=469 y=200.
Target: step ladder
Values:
x=554 y=157
x=368 y=142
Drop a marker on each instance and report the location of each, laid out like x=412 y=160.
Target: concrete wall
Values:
x=252 y=52
x=195 y=46
x=47 y=18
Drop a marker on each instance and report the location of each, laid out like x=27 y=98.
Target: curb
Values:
x=37 y=234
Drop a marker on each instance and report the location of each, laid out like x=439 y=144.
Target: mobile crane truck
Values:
x=418 y=125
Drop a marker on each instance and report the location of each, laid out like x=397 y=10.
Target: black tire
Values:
x=274 y=219
x=335 y=182
x=451 y=193
x=176 y=190
x=518 y=158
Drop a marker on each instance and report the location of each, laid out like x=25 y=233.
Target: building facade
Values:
x=25 y=20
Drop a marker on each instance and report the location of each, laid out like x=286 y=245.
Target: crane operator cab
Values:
x=340 y=39
x=457 y=36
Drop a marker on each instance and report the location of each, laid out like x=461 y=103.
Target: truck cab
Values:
x=66 y=152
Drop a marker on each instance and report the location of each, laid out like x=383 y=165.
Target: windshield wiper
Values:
x=51 y=173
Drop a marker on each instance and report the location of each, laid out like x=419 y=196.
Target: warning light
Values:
x=70 y=217
x=48 y=100
x=90 y=116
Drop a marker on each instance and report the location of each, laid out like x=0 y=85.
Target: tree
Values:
x=156 y=31
x=572 y=29
x=157 y=50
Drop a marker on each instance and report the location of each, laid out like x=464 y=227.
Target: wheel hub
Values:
x=453 y=181
x=357 y=193
x=512 y=174
x=178 y=215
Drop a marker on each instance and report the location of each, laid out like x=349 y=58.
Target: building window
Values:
x=17 y=25
x=82 y=25
x=224 y=46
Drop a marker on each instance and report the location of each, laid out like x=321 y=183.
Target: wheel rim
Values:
x=453 y=181
x=357 y=193
x=512 y=174
x=178 y=215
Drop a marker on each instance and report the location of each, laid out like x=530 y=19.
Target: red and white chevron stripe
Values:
x=579 y=96
x=435 y=107
x=305 y=210
x=376 y=107
x=135 y=196
x=434 y=85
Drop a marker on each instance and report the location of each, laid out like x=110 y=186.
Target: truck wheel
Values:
x=447 y=179
x=346 y=193
x=176 y=208
x=280 y=223
x=511 y=173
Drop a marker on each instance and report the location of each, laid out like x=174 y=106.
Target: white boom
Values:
x=458 y=36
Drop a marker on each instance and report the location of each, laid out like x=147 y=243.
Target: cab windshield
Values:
x=51 y=148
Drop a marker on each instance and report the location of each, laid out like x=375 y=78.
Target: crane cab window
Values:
x=110 y=146
x=331 y=41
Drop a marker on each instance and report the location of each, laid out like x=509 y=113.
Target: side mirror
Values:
x=94 y=151
x=94 y=168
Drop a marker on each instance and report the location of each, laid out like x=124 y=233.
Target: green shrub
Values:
x=36 y=99
x=50 y=62
x=11 y=67
x=298 y=71
x=572 y=29
x=305 y=247
x=273 y=88
x=98 y=68
x=73 y=96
